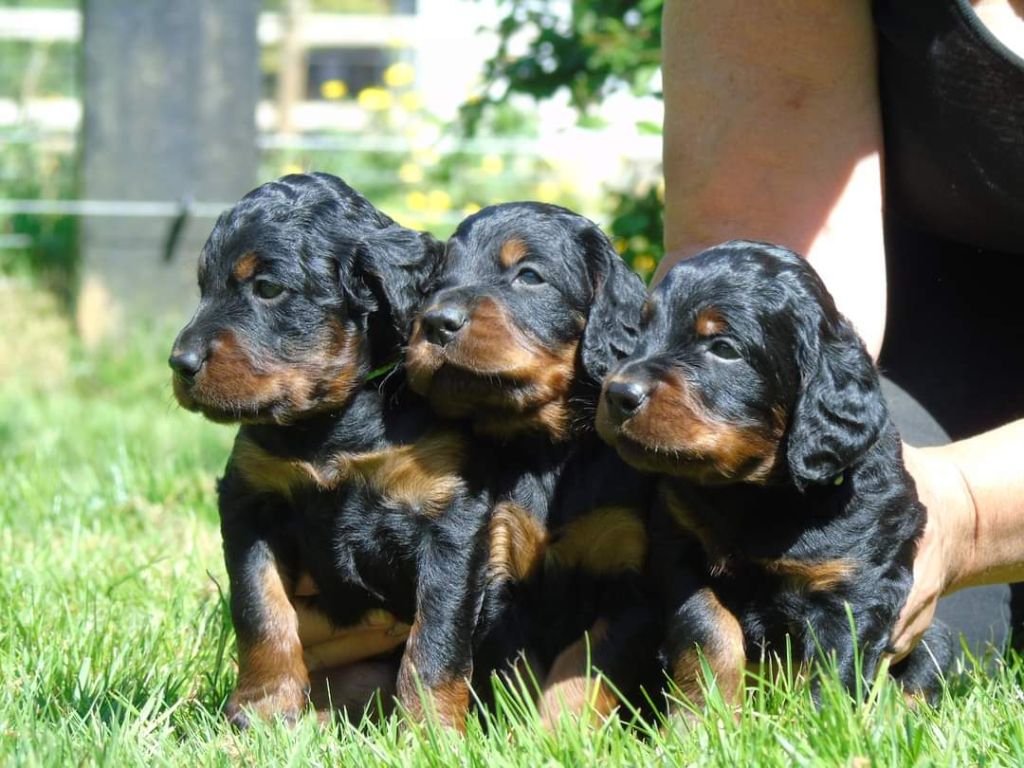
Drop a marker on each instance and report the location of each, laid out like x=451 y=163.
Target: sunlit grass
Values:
x=116 y=648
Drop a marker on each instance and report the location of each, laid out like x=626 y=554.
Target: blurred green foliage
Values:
x=603 y=46
x=38 y=69
x=43 y=246
x=336 y=6
x=424 y=181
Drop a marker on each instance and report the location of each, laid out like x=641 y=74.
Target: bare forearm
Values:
x=772 y=132
x=992 y=468
x=974 y=493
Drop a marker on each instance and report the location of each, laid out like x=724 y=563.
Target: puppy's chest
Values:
x=357 y=514
x=576 y=515
x=767 y=546
x=419 y=477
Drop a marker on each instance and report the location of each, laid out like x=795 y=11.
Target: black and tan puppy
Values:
x=532 y=307
x=338 y=478
x=785 y=500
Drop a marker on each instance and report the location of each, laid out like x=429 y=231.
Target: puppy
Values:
x=784 y=500
x=344 y=498
x=532 y=307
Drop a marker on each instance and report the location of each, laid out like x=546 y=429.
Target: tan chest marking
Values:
x=425 y=475
x=607 y=540
x=263 y=471
x=689 y=521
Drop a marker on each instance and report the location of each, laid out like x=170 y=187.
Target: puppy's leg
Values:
x=571 y=687
x=356 y=689
x=921 y=673
x=698 y=624
x=829 y=639
x=272 y=677
x=616 y=656
x=438 y=658
x=702 y=627
x=504 y=651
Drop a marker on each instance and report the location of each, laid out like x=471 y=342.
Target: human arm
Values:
x=974 y=492
x=772 y=132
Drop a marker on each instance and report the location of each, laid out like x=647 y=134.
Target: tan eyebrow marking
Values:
x=246 y=266
x=512 y=252
x=646 y=311
x=709 y=322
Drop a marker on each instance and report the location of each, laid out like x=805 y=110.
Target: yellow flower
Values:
x=409 y=222
x=289 y=168
x=412 y=101
x=410 y=173
x=427 y=156
x=333 y=89
x=375 y=99
x=469 y=209
x=416 y=201
x=492 y=165
x=546 y=191
x=439 y=200
x=644 y=264
x=621 y=244
x=399 y=75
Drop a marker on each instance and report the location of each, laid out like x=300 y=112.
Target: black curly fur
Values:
x=823 y=517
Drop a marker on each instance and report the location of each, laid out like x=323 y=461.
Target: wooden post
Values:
x=291 y=81
x=169 y=100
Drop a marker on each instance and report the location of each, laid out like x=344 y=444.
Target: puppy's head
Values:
x=531 y=308
x=744 y=372
x=304 y=287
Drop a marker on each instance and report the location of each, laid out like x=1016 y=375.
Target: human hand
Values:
x=945 y=547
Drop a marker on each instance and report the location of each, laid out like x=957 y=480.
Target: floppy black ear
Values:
x=396 y=264
x=619 y=293
x=840 y=410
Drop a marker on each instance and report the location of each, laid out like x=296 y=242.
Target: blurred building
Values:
x=363 y=88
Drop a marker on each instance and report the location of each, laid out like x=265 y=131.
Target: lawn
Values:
x=116 y=648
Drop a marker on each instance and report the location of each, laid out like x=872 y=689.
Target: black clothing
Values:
x=953 y=115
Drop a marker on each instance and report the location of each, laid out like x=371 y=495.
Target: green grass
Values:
x=115 y=647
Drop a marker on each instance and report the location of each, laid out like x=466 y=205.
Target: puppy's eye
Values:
x=267 y=289
x=529 y=277
x=724 y=349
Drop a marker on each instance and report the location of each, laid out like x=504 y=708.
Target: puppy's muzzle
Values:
x=443 y=322
x=626 y=397
x=187 y=358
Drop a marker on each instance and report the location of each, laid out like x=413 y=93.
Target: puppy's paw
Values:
x=577 y=697
x=283 y=698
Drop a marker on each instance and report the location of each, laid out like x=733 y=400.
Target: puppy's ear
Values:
x=613 y=323
x=840 y=410
x=360 y=301
x=397 y=265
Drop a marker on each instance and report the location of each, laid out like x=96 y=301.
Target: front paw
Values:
x=445 y=703
x=282 y=698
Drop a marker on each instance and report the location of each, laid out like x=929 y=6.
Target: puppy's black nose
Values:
x=186 y=362
x=625 y=397
x=441 y=324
